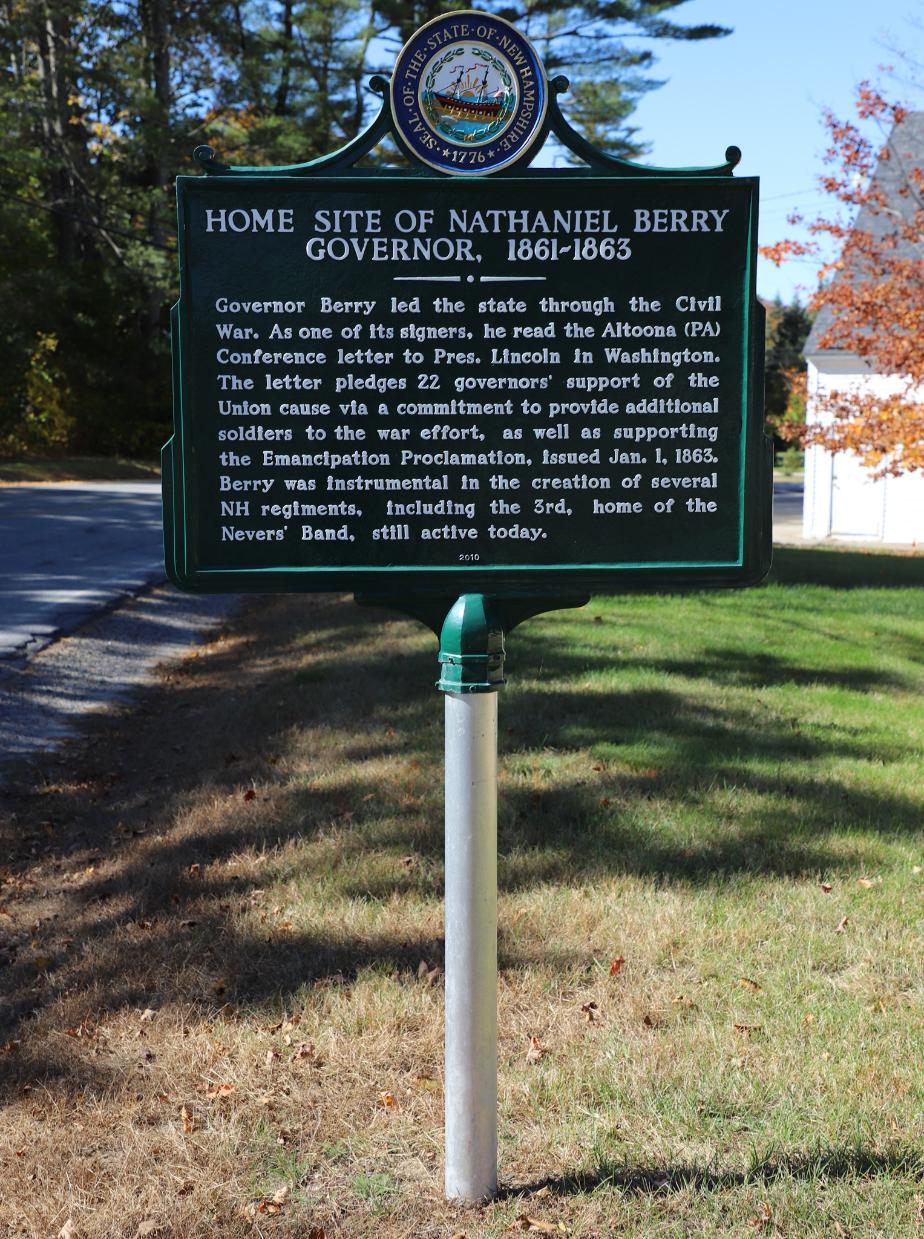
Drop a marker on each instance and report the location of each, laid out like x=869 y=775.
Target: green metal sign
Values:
x=405 y=383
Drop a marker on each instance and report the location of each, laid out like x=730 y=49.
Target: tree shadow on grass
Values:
x=187 y=742
x=837 y=1162
x=846 y=569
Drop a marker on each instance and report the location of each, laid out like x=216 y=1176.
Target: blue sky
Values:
x=763 y=89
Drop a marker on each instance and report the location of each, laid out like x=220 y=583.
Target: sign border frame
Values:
x=751 y=564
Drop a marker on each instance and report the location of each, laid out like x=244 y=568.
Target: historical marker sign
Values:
x=545 y=381
x=505 y=387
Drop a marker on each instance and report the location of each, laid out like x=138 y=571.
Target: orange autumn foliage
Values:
x=872 y=293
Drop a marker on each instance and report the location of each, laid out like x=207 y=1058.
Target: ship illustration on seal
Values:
x=472 y=101
x=460 y=101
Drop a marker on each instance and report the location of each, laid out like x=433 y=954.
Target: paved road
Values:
x=68 y=550
x=787 y=512
x=87 y=560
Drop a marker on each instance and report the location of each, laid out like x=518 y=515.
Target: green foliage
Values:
x=788 y=327
x=45 y=422
x=790 y=461
x=100 y=105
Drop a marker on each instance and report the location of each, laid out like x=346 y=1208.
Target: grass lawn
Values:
x=78 y=469
x=221 y=921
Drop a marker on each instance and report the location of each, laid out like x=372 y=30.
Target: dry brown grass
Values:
x=187 y=1033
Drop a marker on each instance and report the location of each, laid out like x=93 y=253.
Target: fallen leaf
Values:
x=10 y=1047
x=763 y=1218
x=305 y=1049
x=318 y=1232
x=189 y=1121
x=428 y=975
x=147 y=1015
x=590 y=1011
x=616 y=966
x=388 y=1100
x=195 y=871
x=525 y=1222
x=68 y=1230
x=428 y=1083
x=250 y=794
x=826 y=887
x=145 y=1228
x=650 y=1021
x=221 y=1090
x=272 y=1056
x=808 y=1018
x=43 y=962
x=840 y=1230
x=866 y=883
x=915 y=868
x=536 y=1051
x=842 y=924
x=747 y=983
x=747 y=1028
x=84 y=1029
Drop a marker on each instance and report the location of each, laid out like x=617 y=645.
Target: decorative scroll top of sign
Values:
x=468 y=94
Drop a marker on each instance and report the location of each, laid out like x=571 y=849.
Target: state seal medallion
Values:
x=468 y=94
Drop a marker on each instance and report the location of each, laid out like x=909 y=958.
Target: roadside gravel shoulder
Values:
x=42 y=701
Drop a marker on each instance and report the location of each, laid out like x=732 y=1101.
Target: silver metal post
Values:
x=471 y=945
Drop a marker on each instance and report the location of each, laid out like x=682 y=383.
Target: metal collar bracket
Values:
x=472 y=647
x=471 y=630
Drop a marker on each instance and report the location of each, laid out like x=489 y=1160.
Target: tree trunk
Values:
x=65 y=137
x=281 y=107
x=156 y=35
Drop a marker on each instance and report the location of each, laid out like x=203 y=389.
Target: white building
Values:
x=842 y=499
